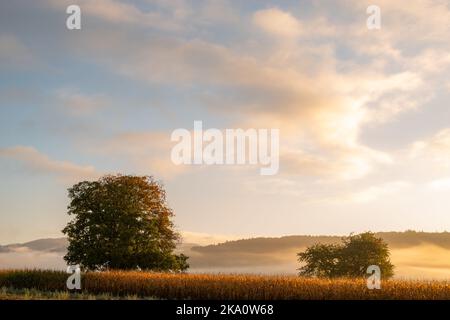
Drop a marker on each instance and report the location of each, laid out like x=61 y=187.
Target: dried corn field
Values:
x=222 y=287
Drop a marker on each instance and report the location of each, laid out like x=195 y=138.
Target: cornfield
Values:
x=223 y=287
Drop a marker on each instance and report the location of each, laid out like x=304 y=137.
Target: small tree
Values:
x=122 y=222
x=348 y=259
x=320 y=260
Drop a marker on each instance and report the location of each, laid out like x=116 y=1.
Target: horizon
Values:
x=204 y=239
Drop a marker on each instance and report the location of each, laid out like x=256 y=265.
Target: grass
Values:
x=131 y=284
x=35 y=294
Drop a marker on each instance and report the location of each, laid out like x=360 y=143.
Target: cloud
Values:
x=432 y=60
x=282 y=25
x=428 y=20
x=39 y=163
x=436 y=148
x=389 y=108
x=328 y=115
x=277 y=22
x=338 y=164
x=148 y=152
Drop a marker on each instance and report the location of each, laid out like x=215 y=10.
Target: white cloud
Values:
x=40 y=163
x=277 y=22
x=435 y=148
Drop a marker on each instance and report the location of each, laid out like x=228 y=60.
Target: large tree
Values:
x=122 y=222
x=347 y=259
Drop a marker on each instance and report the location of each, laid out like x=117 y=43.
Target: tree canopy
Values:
x=347 y=259
x=122 y=222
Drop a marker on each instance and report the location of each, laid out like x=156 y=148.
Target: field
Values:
x=41 y=284
x=35 y=294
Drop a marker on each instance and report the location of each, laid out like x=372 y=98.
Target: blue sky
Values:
x=363 y=115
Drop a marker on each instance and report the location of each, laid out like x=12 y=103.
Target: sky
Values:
x=363 y=114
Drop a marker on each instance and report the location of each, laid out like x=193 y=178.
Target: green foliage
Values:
x=348 y=259
x=122 y=222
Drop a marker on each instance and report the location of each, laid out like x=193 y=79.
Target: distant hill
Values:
x=260 y=244
x=280 y=254
x=263 y=244
x=47 y=245
x=415 y=254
